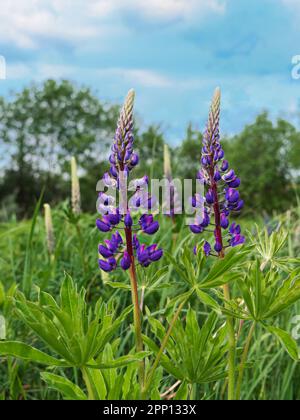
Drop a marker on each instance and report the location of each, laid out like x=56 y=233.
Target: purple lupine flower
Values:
x=103 y=226
x=122 y=160
x=147 y=255
x=148 y=225
x=206 y=248
x=125 y=261
x=108 y=265
x=219 y=180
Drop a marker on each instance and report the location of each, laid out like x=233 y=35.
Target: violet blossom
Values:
x=122 y=161
x=220 y=182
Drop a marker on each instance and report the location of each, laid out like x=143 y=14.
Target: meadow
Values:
x=189 y=321
x=270 y=373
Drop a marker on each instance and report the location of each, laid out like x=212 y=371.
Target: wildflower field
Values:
x=132 y=301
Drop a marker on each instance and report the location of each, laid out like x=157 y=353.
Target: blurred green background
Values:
x=42 y=126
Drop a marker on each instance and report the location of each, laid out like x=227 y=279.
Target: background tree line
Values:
x=44 y=125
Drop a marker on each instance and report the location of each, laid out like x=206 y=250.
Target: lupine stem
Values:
x=161 y=350
x=226 y=291
x=243 y=361
x=135 y=301
x=231 y=350
x=81 y=249
x=89 y=385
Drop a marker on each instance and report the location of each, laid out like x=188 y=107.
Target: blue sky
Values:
x=173 y=52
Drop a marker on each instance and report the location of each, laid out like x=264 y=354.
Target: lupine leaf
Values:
x=68 y=389
x=121 y=361
x=222 y=266
x=26 y=352
x=286 y=340
x=118 y=285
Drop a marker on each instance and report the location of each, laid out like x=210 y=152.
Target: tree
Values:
x=150 y=146
x=261 y=156
x=188 y=154
x=44 y=126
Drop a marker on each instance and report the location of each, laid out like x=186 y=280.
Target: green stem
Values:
x=81 y=244
x=89 y=384
x=137 y=321
x=231 y=351
x=161 y=350
x=243 y=361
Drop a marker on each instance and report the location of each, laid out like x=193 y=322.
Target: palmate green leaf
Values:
x=286 y=340
x=287 y=295
x=26 y=352
x=216 y=275
x=43 y=326
x=130 y=386
x=165 y=361
x=181 y=270
x=72 y=330
x=182 y=392
x=118 y=285
x=181 y=298
x=121 y=361
x=68 y=389
x=220 y=281
x=95 y=382
x=193 y=354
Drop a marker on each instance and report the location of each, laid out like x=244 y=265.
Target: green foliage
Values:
x=87 y=344
x=260 y=154
x=43 y=126
x=76 y=333
x=193 y=354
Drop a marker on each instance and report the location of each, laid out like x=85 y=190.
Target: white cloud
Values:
x=292 y=5
x=161 y=10
x=140 y=77
x=135 y=77
x=26 y=23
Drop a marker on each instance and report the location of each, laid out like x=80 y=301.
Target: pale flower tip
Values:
x=217 y=94
x=167 y=161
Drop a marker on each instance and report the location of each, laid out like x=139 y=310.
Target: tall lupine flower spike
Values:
x=122 y=160
x=220 y=183
x=76 y=201
x=49 y=230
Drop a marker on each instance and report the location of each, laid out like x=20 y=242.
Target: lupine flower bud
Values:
x=167 y=162
x=102 y=226
x=128 y=220
x=49 y=229
x=125 y=261
x=206 y=248
x=148 y=225
x=104 y=251
x=108 y=265
x=76 y=202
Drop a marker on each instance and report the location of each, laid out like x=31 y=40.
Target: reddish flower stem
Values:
x=226 y=291
x=135 y=301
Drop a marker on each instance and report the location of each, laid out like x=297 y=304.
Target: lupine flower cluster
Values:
x=220 y=183
x=122 y=160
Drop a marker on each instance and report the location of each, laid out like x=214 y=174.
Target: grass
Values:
x=24 y=261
